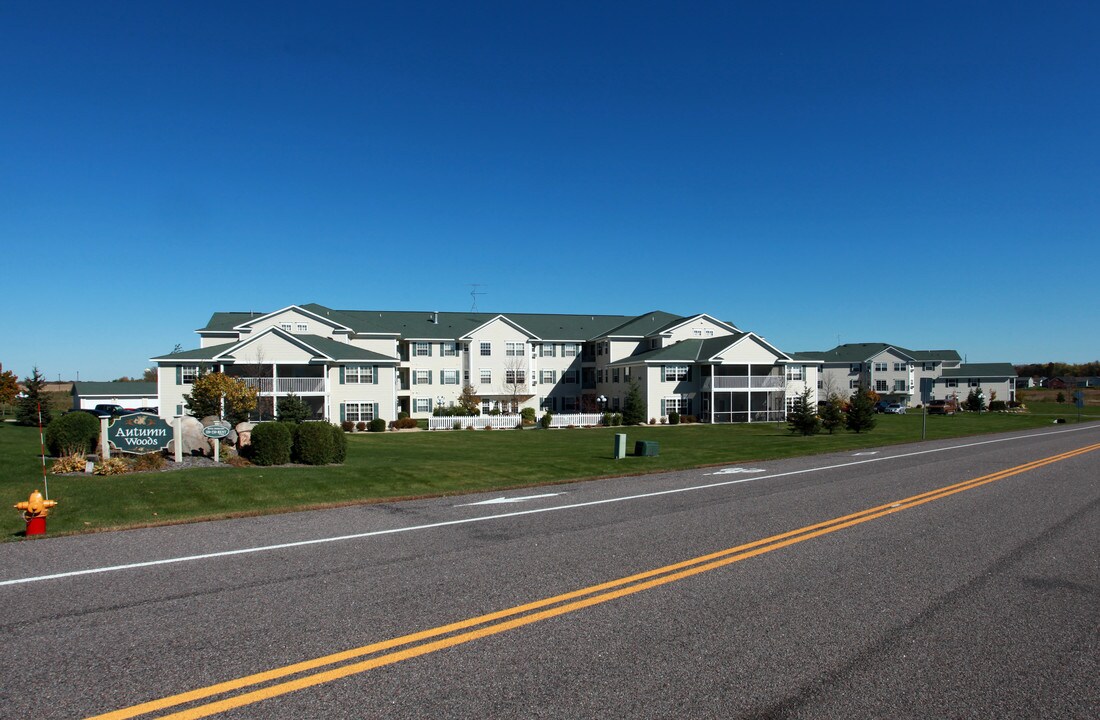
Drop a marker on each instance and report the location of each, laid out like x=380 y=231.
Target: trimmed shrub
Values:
x=546 y=420
x=402 y=415
x=347 y=426
x=377 y=425
x=361 y=426
x=72 y=433
x=456 y=425
x=528 y=415
x=617 y=419
x=339 y=444
x=606 y=420
x=674 y=418
x=997 y=406
x=405 y=423
x=271 y=442
x=313 y=444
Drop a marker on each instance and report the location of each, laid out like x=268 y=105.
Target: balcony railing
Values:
x=286 y=386
x=744 y=382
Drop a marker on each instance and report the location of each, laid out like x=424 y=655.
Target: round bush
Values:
x=339 y=444
x=313 y=444
x=72 y=433
x=378 y=425
x=271 y=443
x=546 y=420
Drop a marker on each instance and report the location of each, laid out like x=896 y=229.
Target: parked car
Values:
x=881 y=406
x=941 y=407
x=97 y=413
x=111 y=409
x=895 y=409
x=152 y=410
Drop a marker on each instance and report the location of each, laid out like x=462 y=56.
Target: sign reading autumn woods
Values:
x=139 y=433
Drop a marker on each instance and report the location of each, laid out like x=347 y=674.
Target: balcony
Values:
x=287 y=386
x=744 y=382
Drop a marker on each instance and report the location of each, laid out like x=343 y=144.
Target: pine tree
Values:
x=294 y=409
x=803 y=415
x=832 y=415
x=633 y=407
x=861 y=411
x=26 y=412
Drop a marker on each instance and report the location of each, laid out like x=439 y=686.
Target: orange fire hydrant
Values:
x=35 y=509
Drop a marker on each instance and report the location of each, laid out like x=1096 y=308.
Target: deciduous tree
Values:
x=216 y=393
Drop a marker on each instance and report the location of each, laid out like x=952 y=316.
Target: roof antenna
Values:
x=473 y=294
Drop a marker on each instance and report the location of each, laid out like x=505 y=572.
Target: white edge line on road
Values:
x=517 y=513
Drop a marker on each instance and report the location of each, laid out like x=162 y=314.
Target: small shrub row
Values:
x=310 y=443
x=404 y=423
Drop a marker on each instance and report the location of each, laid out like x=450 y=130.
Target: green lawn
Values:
x=395 y=465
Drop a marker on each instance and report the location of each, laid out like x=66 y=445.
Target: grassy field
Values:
x=414 y=464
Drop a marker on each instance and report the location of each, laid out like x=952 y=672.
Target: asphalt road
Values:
x=946 y=579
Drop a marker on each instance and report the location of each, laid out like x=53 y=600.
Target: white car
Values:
x=894 y=409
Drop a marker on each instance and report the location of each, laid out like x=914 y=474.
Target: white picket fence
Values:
x=508 y=422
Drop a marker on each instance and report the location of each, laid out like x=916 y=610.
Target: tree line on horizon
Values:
x=1058 y=369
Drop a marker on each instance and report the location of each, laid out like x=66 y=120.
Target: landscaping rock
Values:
x=193 y=439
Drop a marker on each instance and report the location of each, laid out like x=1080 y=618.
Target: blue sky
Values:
x=923 y=174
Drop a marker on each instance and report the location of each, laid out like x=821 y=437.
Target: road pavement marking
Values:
x=505 y=500
x=736 y=471
x=515 y=513
x=521 y=615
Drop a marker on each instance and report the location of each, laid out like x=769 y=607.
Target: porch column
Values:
x=748 y=404
x=275 y=391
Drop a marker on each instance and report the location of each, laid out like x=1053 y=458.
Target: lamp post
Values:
x=602 y=400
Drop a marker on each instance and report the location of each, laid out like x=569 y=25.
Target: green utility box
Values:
x=647 y=448
x=620 y=446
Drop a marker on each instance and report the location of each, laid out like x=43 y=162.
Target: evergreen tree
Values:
x=803 y=415
x=633 y=407
x=294 y=409
x=861 y=411
x=26 y=412
x=832 y=415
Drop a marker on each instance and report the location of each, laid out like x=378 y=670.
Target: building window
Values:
x=547 y=377
x=448 y=349
x=709 y=332
x=422 y=405
x=422 y=377
x=615 y=403
x=301 y=327
x=422 y=349
x=359 y=412
x=899 y=367
x=899 y=386
x=547 y=349
x=569 y=404
x=486 y=407
x=975 y=383
x=515 y=377
x=853 y=384
x=614 y=374
x=486 y=349
x=359 y=374
x=952 y=382
x=820 y=384
x=569 y=376
x=881 y=386
x=676 y=372
x=671 y=405
x=697 y=332
x=794 y=372
x=570 y=349
x=547 y=403
x=929 y=366
x=856 y=367
x=486 y=376
x=881 y=367
x=285 y=326
x=449 y=377
x=189 y=374
x=514 y=349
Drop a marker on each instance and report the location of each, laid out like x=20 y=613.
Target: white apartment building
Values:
x=358 y=364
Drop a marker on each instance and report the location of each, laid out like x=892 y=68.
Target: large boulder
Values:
x=193 y=439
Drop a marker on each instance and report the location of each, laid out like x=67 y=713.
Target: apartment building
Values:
x=358 y=364
x=909 y=377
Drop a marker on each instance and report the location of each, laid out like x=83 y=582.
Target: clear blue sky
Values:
x=926 y=174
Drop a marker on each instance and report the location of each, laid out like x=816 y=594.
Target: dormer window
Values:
x=285 y=326
x=301 y=327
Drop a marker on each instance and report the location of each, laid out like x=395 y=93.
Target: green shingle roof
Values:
x=860 y=352
x=147 y=389
x=980 y=370
x=206 y=353
x=449 y=325
x=326 y=346
x=685 y=351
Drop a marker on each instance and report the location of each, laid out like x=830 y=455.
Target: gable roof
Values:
x=862 y=352
x=322 y=348
x=980 y=370
x=113 y=389
x=696 y=351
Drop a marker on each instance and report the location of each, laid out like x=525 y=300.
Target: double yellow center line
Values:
x=340 y=665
